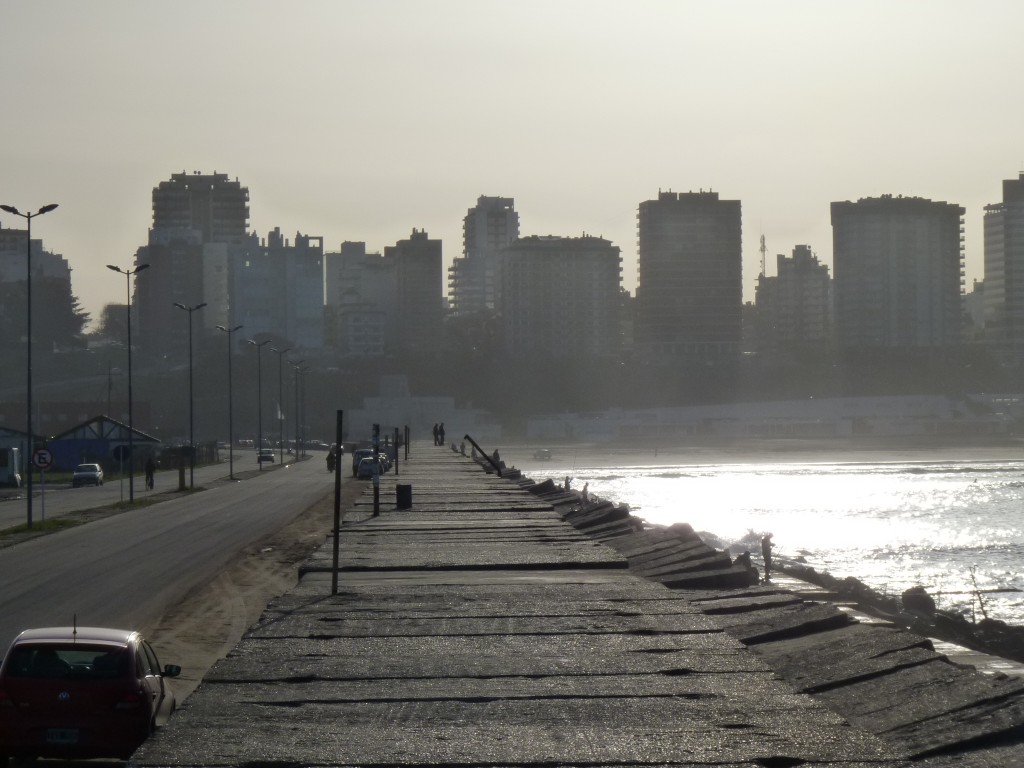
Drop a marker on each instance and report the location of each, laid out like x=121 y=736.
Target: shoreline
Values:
x=835 y=450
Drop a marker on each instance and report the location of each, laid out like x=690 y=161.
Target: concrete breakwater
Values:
x=498 y=621
x=880 y=677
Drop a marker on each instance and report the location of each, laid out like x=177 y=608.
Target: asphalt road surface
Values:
x=127 y=569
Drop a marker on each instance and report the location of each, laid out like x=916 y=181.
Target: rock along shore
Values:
x=502 y=622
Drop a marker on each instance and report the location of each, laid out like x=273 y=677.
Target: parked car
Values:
x=357 y=456
x=368 y=467
x=81 y=692
x=87 y=474
x=265 y=455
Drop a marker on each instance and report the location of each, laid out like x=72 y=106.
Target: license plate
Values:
x=62 y=736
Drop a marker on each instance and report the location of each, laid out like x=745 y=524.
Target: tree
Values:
x=58 y=320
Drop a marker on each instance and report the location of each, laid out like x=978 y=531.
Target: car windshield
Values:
x=67 y=661
x=86 y=468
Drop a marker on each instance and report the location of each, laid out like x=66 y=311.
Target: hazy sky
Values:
x=364 y=120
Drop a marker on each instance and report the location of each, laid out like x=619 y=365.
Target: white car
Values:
x=87 y=474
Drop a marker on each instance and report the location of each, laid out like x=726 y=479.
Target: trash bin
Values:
x=403 y=496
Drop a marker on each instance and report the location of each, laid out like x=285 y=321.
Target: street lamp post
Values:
x=231 y=422
x=303 y=413
x=191 y=439
x=296 y=364
x=28 y=345
x=259 y=398
x=280 y=400
x=131 y=426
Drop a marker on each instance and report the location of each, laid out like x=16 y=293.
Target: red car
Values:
x=81 y=692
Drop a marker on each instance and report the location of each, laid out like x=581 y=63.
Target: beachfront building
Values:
x=559 y=298
x=794 y=308
x=360 y=293
x=898 y=267
x=689 y=292
x=199 y=225
x=277 y=289
x=419 y=294
x=488 y=227
x=1004 y=271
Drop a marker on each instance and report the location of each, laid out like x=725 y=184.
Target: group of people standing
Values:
x=439 y=434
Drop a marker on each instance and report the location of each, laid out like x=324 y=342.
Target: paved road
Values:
x=125 y=570
x=51 y=500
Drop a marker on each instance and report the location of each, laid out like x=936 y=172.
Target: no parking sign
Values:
x=42 y=458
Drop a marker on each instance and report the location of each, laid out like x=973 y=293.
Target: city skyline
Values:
x=363 y=122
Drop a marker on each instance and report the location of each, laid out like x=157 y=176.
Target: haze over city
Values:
x=362 y=121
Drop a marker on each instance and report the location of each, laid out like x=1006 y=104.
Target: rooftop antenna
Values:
x=763 y=250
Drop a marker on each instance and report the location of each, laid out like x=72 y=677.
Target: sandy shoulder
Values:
x=208 y=623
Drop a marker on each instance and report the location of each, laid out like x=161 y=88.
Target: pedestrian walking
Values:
x=440 y=434
x=766 y=553
x=150 y=473
x=435 y=433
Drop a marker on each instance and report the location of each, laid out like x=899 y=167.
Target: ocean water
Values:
x=951 y=521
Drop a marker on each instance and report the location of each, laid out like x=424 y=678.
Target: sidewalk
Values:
x=479 y=628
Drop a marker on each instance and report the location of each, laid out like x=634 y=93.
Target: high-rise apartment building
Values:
x=559 y=297
x=199 y=226
x=898 y=269
x=419 y=293
x=794 y=308
x=277 y=288
x=44 y=263
x=689 y=293
x=473 y=279
x=361 y=291
x=1004 y=269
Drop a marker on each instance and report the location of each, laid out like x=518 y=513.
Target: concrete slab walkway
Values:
x=479 y=628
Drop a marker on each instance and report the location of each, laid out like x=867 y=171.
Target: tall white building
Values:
x=199 y=224
x=898 y=272
x=1004 y=268
x=473 y=279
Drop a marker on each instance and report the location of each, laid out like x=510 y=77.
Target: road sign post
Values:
x=42 y=458
x=121 y=452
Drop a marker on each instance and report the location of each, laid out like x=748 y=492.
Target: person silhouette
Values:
x=766 y=553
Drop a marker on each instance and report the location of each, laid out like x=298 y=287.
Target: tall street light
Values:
x=280 y=400
x=296 y=364
x=131 y=426
x=231 y=421
x=191 y=440
x=28 y=343
x=259 y=398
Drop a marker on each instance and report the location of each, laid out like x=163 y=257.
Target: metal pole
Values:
x=337 y=505
x=28 y=345
x=280 y=400
x=131 y=426
x=191 y=439
x=28 y=368
x=191 y=419
x=297 y=365
x=231 y=418
x=376 y=470
x=259 y=398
